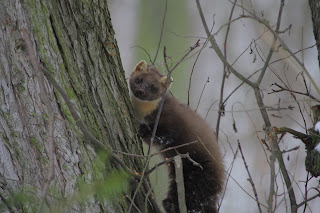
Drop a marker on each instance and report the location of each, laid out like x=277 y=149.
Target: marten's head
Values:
x=146 y=83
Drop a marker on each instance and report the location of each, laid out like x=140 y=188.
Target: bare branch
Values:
x=225 y=74
x=250 y=178
x=290 y=150
x=161 y=33
x=228 y=174
x=175 y=147
x=310 y=47
x=285 y=30
x=132 y=201
x=281 y=89
x=167 y=160
x=178 y=165
x=309 y=199
x=266 y=64
x=192 y=71
x=158 y=153
x=306 y=139
x=149 y=56
x=204 y=86
x=194 y=163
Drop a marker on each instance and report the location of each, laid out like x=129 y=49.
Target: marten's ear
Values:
x=141 y=66
x=163 y=81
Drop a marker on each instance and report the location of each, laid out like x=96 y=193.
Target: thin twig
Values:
x=197 y=44
x=174 y=147
x=281 y=89
x=192 y=71
x=225 y=74
x=275 y=36
x=157 y=153
x=161 y=32
x=309 y=199
x=149 y=56
x=204 y=86
x=194 y=64
x=146 y=200
x=194 y=163
x=129 y=154
x=285 y=30
x=167 y=160
x=228 y=172
x=306 y=192
x=131 y=201
x=290 y=150
x=283 y=58
x=250 y=178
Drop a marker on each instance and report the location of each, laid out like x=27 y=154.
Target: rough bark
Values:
x=75 y=41
x=315 y=8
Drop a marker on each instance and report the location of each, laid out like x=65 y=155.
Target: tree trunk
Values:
x=75 y=41
x=315 y=13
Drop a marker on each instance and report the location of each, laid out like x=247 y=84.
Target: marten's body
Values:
x=179 y=125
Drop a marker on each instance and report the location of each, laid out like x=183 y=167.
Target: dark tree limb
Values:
x=315 y=14
x=303 y=137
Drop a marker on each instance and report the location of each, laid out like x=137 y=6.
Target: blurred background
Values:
x=138 y=25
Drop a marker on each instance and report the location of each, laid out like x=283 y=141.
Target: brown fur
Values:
x=179 y=125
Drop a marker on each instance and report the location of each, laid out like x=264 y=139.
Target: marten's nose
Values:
x=141 y=92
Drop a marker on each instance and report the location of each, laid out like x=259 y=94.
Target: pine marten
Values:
x=178 y=125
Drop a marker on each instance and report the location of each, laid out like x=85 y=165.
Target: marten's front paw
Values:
x=144 y=131
x=169 y=206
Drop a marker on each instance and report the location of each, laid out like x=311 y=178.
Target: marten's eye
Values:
x=138 y=81
x=152 y=88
